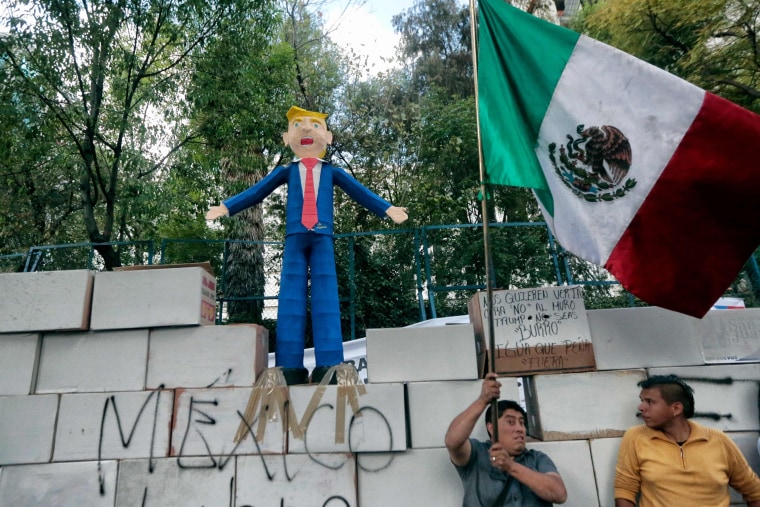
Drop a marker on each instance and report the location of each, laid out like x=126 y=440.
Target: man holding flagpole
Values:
x=504 y=472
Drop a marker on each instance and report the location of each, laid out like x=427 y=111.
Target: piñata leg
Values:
x=291 y=308
x=325 y=307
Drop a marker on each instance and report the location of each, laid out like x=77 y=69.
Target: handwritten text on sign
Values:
x=540 y=326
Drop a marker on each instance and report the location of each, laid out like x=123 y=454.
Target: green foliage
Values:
x=109 y=79
x=384 y=290
x=317 y=61
x=38 y=198
x=410 y=134
x=436 y=43
x=711 y=43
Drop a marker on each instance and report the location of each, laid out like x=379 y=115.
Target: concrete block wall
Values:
x=45 y=301
x=167 y=415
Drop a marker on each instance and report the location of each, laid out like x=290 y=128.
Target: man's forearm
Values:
x=621 y=502
x=548 y=486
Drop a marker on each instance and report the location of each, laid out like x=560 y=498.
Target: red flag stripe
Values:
x=701 y=220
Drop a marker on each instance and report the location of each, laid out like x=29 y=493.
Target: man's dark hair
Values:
x=672 y=389
x=506 y=405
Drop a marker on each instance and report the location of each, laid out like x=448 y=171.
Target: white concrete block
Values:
x=206 y=422
x=627 y=338
x=97 y=426
x=27 y=425
x=422 y=353
x=297 y=480
x=413 y=478
x=730 y=336
x=433 y=405
x=166 y=483
x=574 y=406
x=207 y=356
x=747 y=443
x=725 y=396
x=18 y=363
x=377 y=424
x=59 y=485
x=45 y=301
x=176 y=296
x=573 y=461
x=93 y=362
x=604 y=454
x=724 y=374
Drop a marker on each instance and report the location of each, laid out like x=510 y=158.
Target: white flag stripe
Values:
x=604 y=86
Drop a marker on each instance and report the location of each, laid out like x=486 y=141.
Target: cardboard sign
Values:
x=535 y=330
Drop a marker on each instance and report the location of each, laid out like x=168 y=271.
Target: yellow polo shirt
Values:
x=697 y=473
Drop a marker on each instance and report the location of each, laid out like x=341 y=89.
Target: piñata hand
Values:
x=215 y=212
x=398 y=215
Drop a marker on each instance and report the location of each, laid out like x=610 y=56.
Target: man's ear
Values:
x=489 y=428
x=677 y=408
x=285 y=138
x=329 y=137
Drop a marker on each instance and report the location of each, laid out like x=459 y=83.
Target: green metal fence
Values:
x=421 y=273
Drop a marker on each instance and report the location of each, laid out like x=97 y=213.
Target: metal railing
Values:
x=439 y=273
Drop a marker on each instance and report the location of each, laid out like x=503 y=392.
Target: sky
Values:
x=368 y=28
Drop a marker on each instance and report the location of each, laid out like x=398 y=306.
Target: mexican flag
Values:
x=635 y=169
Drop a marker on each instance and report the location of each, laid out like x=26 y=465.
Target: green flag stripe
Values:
x=520 y=61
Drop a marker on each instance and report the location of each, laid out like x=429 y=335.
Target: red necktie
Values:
x=309 y=213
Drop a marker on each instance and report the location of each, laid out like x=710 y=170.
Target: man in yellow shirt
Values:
x=671 y=460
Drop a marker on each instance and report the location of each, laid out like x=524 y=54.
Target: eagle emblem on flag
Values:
x=594 y=165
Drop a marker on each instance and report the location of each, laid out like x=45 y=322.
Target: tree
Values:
x=239 y=100
x=435 y=42
x=428 y=108
x=544 y=9
x=112 y=75
x=317 y=61
x=38 y=189
x=711 y=43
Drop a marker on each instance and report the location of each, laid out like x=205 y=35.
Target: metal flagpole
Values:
x=486 y=242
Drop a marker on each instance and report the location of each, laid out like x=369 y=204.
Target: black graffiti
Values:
x=390 y=435
x=720 y=381
x=270 y=476
x=125 y=442
x=199 y=414
x=328 y=501
x=205 y=418
x=334 y=497
x=712 y=415
x=338 y=498
x=225 y=376
x=231 y=495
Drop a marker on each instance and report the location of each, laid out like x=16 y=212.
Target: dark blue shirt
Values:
x=484 y=484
